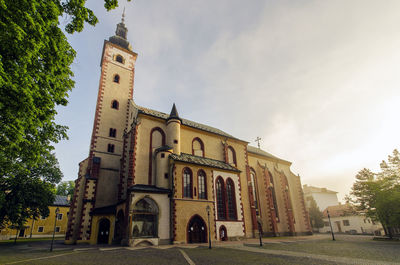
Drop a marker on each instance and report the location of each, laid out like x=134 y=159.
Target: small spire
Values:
x=123 y=16
x=174 y=113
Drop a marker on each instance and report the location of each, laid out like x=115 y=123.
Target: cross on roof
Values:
x=258 y=141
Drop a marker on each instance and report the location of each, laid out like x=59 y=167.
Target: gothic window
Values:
x=110 y=148
x=187 y=183
x=231 y=156
x=119 y=58
x=197 y=147
x=113 y=132
x=230 y=196
x=221 y=209
x=145 y=219
x=116 y=78
x=202 y=185
x=253 y=187
x=114 y=104
x=271 y=180
x=157 y=139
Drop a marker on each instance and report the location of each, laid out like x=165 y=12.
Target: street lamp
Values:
x=329 y=218
x=209 y=227
x=259 y=230
x=54 y=231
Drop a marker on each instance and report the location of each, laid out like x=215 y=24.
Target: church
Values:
x=154 y=178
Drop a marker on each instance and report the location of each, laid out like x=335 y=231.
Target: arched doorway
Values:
x=104 y=231
x=223 y=235
x=197 y=230
x=145 y=218
x=119 y=226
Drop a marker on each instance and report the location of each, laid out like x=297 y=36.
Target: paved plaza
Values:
x=317 y=249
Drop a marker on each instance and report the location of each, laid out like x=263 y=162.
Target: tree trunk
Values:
x=16 y=235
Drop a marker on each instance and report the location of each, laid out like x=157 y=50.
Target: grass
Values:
x=373 y=250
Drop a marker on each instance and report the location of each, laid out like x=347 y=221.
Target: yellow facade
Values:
x=141 y=185
x=42 y=227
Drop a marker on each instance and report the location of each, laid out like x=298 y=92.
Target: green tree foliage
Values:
x=66 y=188
x=316 y=216
x=378 y=194
x=29 y=195
x=35 y=77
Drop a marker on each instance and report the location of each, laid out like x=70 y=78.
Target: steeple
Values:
x=174 y=114
x=120 y=34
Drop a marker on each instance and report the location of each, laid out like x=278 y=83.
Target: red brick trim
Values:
x=271 y=209
x=201 y=144
x=288 y=204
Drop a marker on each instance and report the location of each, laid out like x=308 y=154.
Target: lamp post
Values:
x=209 y=227
x=54 y=231
x=259 y=230
x=329 y=218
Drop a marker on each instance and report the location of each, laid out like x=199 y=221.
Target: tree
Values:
x=378 y=194
x=66 y=188
x=29 y=195
x=316 y=216
x=35 y=77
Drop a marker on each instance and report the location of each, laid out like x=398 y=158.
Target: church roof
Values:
x=258 y=151
x=148 y=189
x=186 y=122
x=203 y=161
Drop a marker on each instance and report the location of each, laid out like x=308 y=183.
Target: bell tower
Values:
x=99 y=174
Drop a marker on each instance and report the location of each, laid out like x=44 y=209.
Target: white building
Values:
x=345 y=220
x=322 y=196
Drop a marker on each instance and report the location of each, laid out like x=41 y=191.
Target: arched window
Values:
x=157 y=139
x=187 y=183
x=202 y=185
x=114 y=104
x=221 y=206
x=231 y=156
x=113 y=132
x=119 y=58
x=197 y=147
x=116 y=78
x=271 y=180
x=230 y=196
x=145 y=219
x=253 y=187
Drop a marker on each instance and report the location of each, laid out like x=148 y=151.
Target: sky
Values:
x=318 y=81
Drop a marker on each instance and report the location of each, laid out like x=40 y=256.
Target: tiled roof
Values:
x=186 y=122
x=61 y=201
x=258 y=151
x=203 y=161
x=312 y=189
x=339 y=210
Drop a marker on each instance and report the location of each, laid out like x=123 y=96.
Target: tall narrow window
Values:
x=116 y=78
x=113 y=132
x=157 y=139
x=271 y=180
x=197 y=147
x=232 y=156
x=230 y=195
x=202 y=185
x=187 y=183
x=114 y=104
x=221 y=209
x=110 y=148
x=253 y=187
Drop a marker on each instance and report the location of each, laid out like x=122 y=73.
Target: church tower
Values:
x=99 y=174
